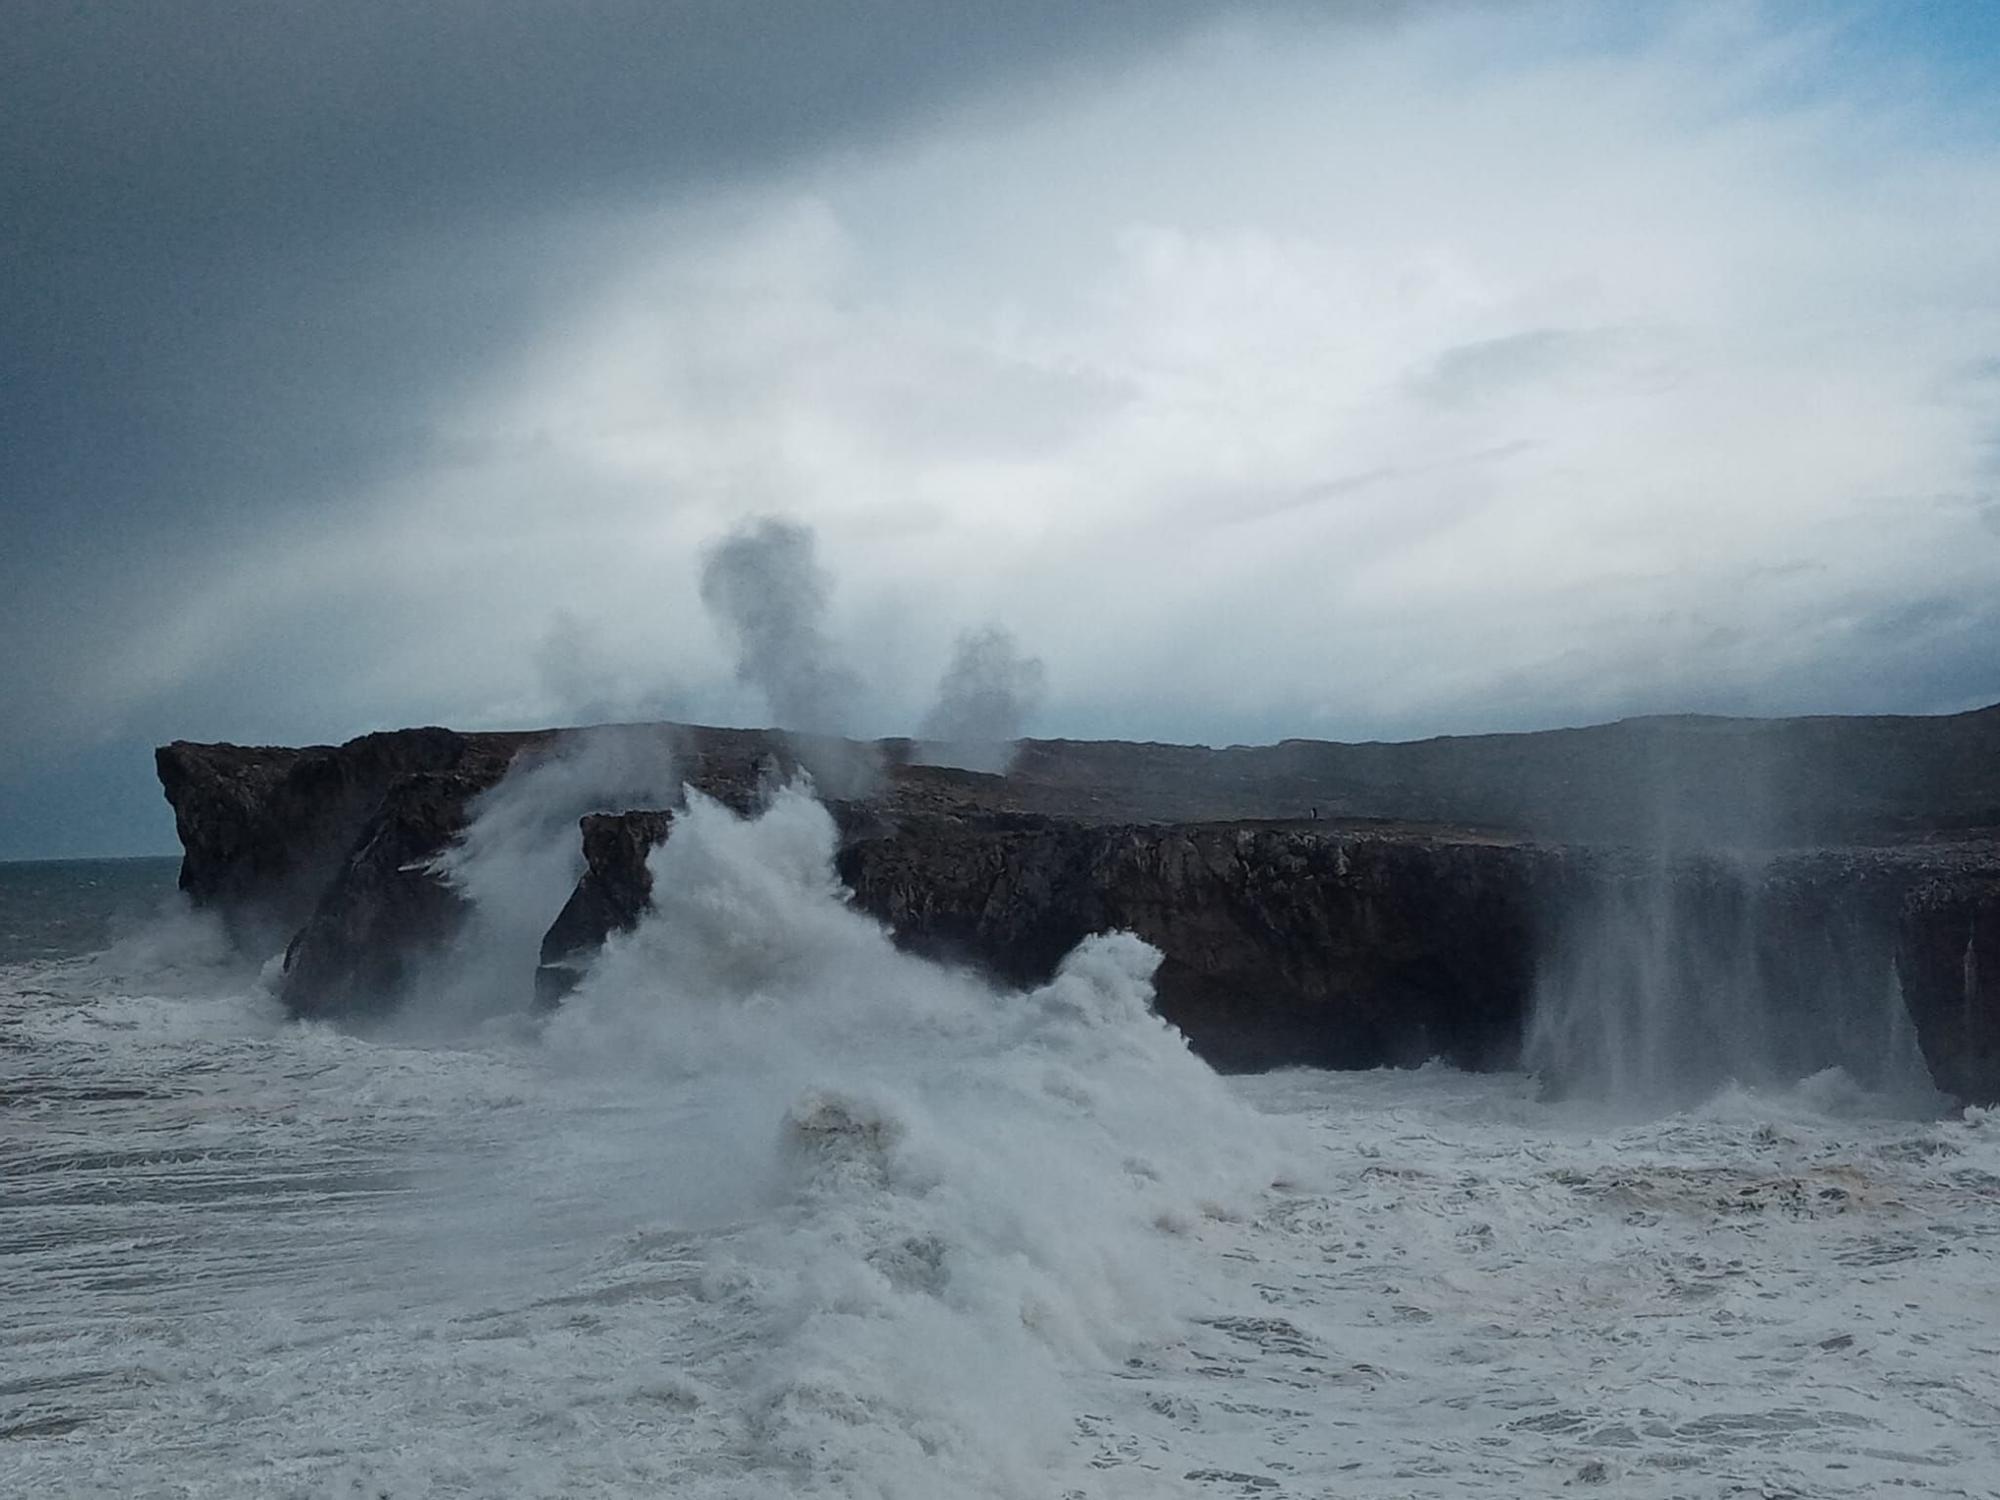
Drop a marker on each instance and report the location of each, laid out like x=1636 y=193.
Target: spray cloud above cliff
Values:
x=765 y=587
x=984 y=701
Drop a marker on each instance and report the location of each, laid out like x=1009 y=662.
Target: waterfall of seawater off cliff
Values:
x=1660 y=987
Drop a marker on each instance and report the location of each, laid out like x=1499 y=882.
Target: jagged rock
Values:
x=1292 y=944
x=613 y=891
x=1315 y=944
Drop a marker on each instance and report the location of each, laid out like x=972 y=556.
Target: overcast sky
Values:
x=1347 y=371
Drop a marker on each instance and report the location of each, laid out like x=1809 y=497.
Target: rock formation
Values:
x=383 y=908
x=264 y=829
x=1948 y=954
x=1343 y=905
x=610 y=896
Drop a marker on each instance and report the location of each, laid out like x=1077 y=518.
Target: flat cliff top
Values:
x=1684 y=780
x=1691 y=781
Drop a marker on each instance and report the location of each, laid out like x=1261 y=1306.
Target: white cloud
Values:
x=1468 y=371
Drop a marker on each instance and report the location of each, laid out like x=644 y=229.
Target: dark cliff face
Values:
x=1291 y=935
x=264 y=830
x=384 y=911
x=1948 y=953
x=1311 y=944
x=1300 y=945
x=1283 y=945
x=610 y=896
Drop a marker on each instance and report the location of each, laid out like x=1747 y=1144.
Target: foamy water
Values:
x=770 y=1209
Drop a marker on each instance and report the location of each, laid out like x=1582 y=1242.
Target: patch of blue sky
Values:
x=1929 y=67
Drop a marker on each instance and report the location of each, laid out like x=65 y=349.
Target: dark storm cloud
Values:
x=218 y=122
x=242 y=235
x=246 y=241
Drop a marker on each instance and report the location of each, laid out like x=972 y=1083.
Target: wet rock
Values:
x=1948 y=955
x=385 y=911
x=264 y=829
x=1282 y=945
x=1408 y=919
x=614 y=890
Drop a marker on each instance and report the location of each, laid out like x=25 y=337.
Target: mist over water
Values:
x=1658 y=990
x=1670 y=976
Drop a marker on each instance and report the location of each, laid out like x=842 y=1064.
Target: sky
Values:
x=1350 y=371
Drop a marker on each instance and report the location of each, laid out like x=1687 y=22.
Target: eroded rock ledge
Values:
x=1343 y=905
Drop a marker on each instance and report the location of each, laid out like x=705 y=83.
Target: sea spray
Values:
x=247 y=1256
x=943 y=1195
x=984 y=699
x=1658 y=987
x=765 y=588
x=517 y=862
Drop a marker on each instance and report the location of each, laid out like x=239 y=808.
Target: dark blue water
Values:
x=61 y=908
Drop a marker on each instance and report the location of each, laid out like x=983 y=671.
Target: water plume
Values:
x=764 y=585
x=986 y=696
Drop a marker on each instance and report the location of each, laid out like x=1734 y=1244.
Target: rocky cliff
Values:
x=1283 y=943
x=1948 y=954
x=264 y=829
x=1322 y=944
x=1327 y=904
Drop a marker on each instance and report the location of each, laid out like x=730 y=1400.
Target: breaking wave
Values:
x=944 y=1194
x=771 y=1208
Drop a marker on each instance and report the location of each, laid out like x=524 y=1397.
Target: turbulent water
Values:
x=769 y=1209
x=1665 y=990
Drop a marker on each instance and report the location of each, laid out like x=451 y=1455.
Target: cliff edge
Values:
x=1315 y=903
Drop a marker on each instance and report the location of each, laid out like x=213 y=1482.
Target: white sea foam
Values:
x=773 y=1209
x=949 y=1196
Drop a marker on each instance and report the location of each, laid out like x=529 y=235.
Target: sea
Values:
x=769 y=1208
